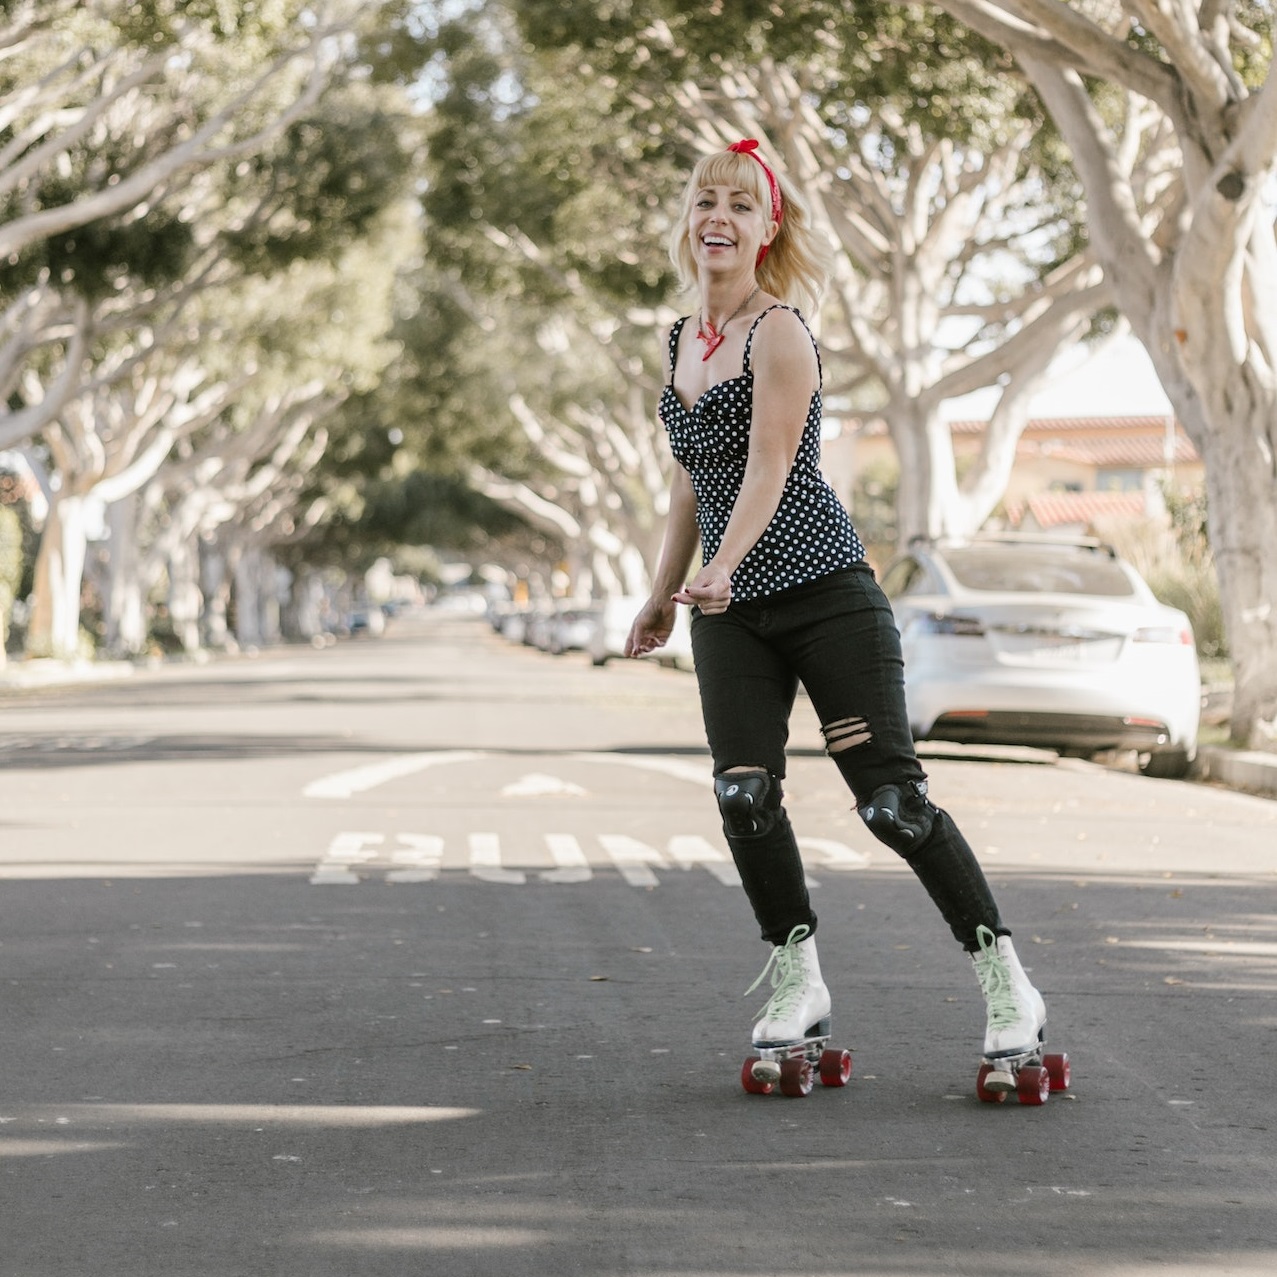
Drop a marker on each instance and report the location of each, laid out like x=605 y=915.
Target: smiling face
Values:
x=725 y=218
x=726 y=227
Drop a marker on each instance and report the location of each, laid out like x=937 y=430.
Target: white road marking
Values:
x=632 y=858
x=344 y=784
x=485 y=861
x=344 y=850
x=695 y=773
x=414 y=858
x=687 y=850
x=358 y=779
x=836 y=855
x=539 y=785
x=423 y=858
x=570 y=860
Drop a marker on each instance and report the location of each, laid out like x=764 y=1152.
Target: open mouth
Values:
x=717 y=241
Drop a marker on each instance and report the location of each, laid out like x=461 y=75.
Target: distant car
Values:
x=368 y=619
x=1033 y=641
x=571 y=628
x=540 y=621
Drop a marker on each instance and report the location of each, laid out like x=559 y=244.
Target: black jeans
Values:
x=837 y=636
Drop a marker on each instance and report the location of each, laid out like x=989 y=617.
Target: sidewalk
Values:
x=51 y=673
x=1248 y=769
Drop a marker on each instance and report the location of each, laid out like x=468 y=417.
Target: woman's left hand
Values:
x=710 y=590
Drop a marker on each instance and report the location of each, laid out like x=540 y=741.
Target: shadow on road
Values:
x=251 y=1075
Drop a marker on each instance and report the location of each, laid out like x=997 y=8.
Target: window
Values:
x=1037 y=570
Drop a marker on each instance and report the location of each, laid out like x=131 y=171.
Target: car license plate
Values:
x=1059 y=649
x=1071 y=653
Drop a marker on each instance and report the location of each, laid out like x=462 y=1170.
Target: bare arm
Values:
x=652 y=626
x=784 y=379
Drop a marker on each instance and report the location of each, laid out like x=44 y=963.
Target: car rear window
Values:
x=1032 y=570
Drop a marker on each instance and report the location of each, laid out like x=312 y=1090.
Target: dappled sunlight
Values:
x=1217 y=948
x=317 y=1115
x=1025 y=1266
x=109 y=869
x=51 y=1148
x=430 y=1238
x=1236 y=953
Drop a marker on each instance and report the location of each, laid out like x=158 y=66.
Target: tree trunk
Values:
x=184 y=598
x=1231 y=424
x=59 y=575
x=915 y=512
x=273 y=592
x=125 y=606
x=248 y=607
x=308 y=603
x=215 y=589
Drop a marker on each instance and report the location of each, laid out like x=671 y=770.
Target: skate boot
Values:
x=793 y=1028
x=1016 y=1029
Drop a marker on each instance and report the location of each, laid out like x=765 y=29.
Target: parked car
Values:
x=613 y=619
x=540 y=622
x=1020 y=640
x=571 y=627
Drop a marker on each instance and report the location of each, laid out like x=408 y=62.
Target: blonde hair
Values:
x=797 y=263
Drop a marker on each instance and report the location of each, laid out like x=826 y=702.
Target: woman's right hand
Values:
x=652 y=627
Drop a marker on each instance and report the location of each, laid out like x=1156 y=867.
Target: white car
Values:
x=1033 y=641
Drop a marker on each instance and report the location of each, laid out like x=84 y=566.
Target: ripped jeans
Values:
x=837 y=636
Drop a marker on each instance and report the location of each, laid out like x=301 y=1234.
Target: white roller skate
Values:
x=792 y=1031
x=1016 y=1030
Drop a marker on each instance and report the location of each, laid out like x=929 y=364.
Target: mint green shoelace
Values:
x=786 y=972
x=995 y=981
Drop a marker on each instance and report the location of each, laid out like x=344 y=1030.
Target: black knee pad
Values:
x=900 y=816
x=748 y=802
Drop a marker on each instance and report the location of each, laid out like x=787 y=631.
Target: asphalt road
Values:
x=423 y=955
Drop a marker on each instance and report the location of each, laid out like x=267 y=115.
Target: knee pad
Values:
x=748 y=802
x=900 y=816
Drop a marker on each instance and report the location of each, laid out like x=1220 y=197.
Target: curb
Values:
x=1247 y=769
x=51 y=673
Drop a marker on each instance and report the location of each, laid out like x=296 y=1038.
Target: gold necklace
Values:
x=713 y=339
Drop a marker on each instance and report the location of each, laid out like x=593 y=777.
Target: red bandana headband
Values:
x=749 y=146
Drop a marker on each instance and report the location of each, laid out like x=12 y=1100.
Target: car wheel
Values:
x=1169 y=764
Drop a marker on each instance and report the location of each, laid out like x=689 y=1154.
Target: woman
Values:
x=784 y=595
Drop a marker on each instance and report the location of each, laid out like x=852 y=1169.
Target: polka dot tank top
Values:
x=810 y=534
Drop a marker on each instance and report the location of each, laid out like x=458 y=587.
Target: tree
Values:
x=960 y=263
x=1170 y=114
x=206 y=83
x=148 y=302
x=522 y=376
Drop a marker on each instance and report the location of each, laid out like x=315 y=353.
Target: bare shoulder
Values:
x=781 y=337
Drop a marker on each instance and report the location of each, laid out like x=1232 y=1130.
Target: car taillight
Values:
x=1182 y=636
x=940 y=623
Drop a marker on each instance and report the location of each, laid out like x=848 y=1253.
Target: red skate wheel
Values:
x=1057 y=1066
x=796 y=1078
x=750 y=1082
x=1033 y=1084
x=983 y=1095
x=835 y=1068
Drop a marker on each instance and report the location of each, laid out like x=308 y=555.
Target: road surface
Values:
x=424 y=955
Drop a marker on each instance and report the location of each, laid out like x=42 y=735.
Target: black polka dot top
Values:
x=810 y=534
